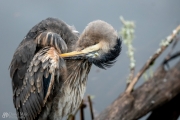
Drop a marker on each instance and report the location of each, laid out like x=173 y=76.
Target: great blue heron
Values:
x=49 y=68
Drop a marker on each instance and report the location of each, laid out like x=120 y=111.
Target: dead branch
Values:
x=90 y=107
x=171 y=57
x=82 y=106
x=157 y=91
x=168 y=111
x=152 y=59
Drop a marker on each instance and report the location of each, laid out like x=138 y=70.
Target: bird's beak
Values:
x=81 y=52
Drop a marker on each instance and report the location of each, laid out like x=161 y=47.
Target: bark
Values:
x=158 y=90
x=168 y=111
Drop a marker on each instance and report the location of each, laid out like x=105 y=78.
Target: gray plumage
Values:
x=47 y=85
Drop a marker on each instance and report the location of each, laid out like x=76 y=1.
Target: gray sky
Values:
x=154 y=21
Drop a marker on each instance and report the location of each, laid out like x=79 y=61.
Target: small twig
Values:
x=82 y=106
x=152 y=59
x=90 y=107
x=71 y=117
x=171 y=57
x=169 y=54
x=174 y=45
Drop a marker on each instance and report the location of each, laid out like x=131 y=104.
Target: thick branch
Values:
x=156 y=91
x=168 y=111
x=152 y=59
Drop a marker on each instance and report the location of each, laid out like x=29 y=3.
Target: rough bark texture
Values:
x=160 y=89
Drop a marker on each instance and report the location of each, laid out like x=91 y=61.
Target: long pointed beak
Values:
x=82 y=52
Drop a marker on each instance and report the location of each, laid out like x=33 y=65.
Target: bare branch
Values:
x=171 y=57
x=158 y=90
x=82 y=106
x=165 y=44
x=168 y=111
x=90 y=107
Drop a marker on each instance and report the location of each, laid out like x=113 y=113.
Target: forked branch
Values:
x=165 y=44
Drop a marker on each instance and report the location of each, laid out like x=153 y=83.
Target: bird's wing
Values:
x=20 y=62
x=43 y=70
x=35 y=66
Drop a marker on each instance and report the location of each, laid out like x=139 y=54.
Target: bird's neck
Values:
x=77 y=72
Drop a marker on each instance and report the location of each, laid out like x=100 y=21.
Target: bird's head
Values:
x=99 y=43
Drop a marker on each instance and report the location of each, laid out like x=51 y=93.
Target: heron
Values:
x=50 y=66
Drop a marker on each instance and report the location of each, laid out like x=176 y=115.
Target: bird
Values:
x=50 y=67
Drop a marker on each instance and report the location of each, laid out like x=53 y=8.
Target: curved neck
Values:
x=77 y=72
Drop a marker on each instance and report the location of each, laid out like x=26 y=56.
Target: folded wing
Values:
x=35 y=67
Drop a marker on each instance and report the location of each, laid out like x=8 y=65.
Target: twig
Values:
x=90 y=107
x=171 y=57
x=82 y=106
x=71 y=117
x=174 y=45
x=169 y=54
x=152 y=59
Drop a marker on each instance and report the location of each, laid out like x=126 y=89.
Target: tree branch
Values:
x=158 y=90
x=168 y=111
x=152 y=59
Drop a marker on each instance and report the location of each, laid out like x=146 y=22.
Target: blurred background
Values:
x=154 y=21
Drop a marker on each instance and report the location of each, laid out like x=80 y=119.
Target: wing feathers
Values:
x=51 y=39
x=24 y=52
x=29 y=112
x=33 y=64
x=31 y=80
x=36 y=62
x=46 y=73
x=35 y=68
x=38 y=82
